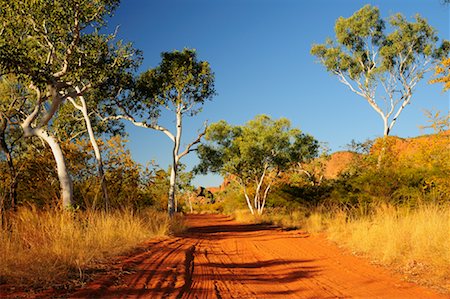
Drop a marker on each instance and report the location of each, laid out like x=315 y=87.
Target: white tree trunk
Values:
x=176 y=156
x=247 y=198
x=189 y=198
x=266 y=192
x=172 y=187
x=65 y=180
x=386 y=129
x=98 y=156
x=175 y=159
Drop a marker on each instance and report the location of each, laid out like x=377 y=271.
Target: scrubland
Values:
x=415 y=242
x=39 y=248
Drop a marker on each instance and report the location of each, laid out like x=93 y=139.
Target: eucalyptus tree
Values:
x=180 y=84
x=254 y=154
x=382 y=67
x=56 y=51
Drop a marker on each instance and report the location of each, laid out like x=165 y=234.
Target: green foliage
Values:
x=377 y=64
x=40 y=38
x=247 y=151
x=180 y=81
x=363 y=34
x=254 y=154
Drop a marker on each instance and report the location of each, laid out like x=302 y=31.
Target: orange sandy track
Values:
x=219 y=258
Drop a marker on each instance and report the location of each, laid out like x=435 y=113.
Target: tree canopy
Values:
x=56 y=51
x=381 y=66
x=254 y=154
x=180 y=84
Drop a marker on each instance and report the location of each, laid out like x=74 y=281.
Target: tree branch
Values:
x=139 y=124
x=197 y=140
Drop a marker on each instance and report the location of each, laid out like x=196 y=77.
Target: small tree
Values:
x=181 y=84
x=254 y=154
x=383 y=68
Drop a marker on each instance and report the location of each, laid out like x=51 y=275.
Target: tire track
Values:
x=219 y=258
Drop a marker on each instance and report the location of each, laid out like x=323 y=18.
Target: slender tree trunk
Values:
x=98 y=156
x=65 y=180
x=247 y=198
x=175 y=159
x=382 y=152
x=266 y=192
x=386 y=129
x=258 y=200
x=171 y=202
x=13 y=183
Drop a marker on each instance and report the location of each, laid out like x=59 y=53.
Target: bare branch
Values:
x=140 y=124
x=56 y=102
x=74 y=103
x=197 y=140
x=26 y=125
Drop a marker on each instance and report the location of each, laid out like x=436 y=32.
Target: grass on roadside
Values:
x=42 y=248
x=414 y=241
x=417 y=241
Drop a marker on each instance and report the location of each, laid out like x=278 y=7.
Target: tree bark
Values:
x=175 y=159
x=264 y=199
x=249 y=204
x=98 y=156
x=65 y=180
x=171 y=202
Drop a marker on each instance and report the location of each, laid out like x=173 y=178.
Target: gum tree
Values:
x=382 y=67
x=56 y=52
x=254 y=154
x=180 y=84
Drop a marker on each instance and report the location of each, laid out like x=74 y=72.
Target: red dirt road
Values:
x=219 y=258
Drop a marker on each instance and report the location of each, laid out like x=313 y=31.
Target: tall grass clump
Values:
x=417 y=240
x=39 y=248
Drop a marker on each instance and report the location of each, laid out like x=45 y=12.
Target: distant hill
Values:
x=337 y=163
x=401 y=149
x=413 y=150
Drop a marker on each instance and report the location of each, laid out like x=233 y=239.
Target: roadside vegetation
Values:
x=397 y=214
x=43 y=248
x=71 y=196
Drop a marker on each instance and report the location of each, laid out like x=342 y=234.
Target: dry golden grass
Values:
x=291 y=220
x=416 y=242
x=41 y=248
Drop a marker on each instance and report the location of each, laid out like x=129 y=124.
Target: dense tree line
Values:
x=64 y=86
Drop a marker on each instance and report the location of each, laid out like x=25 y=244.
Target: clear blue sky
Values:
x=259 y=51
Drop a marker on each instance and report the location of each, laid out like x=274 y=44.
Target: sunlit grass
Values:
x=290 y=220
x=40 y=248
x=414 y=241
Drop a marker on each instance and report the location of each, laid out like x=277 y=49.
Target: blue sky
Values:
x=259 y=52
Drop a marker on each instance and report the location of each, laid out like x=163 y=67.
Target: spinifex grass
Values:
x=41 y=248
x=416 y=240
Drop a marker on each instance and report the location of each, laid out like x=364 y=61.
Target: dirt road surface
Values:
x=219 y=258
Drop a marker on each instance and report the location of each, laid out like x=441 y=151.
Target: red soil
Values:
x=219 y=258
